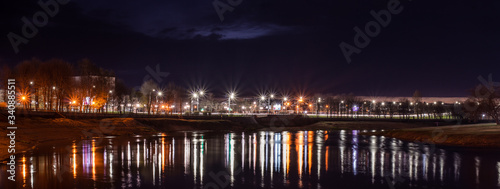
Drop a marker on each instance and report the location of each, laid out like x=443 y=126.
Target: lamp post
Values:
x=31 y=87
x=269 y=103
x=195 y=96
x=284 y=104
x=341 y=102
x=317 y=106
x=108 y=102
x=298 y=105
x=230 y=96
x=363 y=109
x=262 y=98
x=159 y=94
x=197 y=102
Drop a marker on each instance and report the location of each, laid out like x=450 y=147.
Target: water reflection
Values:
x=498 y=167
x=304 y=159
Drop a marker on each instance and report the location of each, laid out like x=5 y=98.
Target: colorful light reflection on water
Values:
x=303 y=159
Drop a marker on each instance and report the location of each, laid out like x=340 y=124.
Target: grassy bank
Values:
x=475 y=135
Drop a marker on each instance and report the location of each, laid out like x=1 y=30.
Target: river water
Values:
x=299 y=159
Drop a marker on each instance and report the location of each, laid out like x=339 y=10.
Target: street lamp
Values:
x=230 y=96
x=341 y=102
x=317 y=106
x=197 y=96
x=107 y=103
x=284 y=103
x=269 y=103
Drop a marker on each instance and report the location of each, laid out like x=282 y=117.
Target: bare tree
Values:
x=488 y=97
x=121 y=94
x=5 y=74
x=417 y=101
x=404 y=107
x=148 y=88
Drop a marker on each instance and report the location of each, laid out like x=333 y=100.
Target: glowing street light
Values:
x=285 y=103
x=230 y=96
x=341 y=102
x=197 y=96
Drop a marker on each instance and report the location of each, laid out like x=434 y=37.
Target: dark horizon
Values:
x=438 y=48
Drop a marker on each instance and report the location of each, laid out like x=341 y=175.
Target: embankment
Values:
x=485 y=135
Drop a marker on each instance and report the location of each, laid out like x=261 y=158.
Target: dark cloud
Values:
x=439 y=47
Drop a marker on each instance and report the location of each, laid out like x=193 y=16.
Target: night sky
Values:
x=437 y=47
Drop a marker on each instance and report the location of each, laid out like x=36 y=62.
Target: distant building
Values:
x=446 y=100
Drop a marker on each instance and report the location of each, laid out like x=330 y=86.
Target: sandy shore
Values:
x=473 y=135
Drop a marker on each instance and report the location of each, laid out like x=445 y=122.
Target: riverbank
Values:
x=34 y=131
x=484 y=135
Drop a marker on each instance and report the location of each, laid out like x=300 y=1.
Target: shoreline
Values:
x=32 y=132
